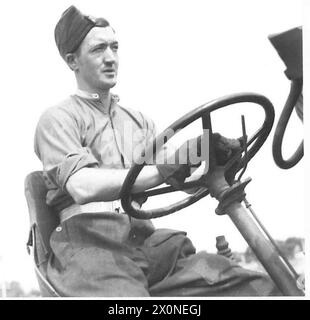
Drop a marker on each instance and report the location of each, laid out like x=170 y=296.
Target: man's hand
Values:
x=177 y=167
x=189 y=156
x=224 y=150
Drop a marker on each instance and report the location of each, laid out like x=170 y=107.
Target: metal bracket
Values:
x=232 y=194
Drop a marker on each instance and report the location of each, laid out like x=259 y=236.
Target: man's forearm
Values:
x=93 y=184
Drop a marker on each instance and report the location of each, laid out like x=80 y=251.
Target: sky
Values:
x=174 y=57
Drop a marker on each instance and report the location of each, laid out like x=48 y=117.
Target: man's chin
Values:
x=108 y=84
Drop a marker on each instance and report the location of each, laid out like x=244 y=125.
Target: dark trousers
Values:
x=107 y=255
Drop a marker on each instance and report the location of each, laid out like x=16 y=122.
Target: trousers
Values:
x=110 y=255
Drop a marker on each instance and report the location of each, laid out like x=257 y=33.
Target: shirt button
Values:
x=58 y=229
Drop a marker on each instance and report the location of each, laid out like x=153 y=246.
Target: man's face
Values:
x=97 y=59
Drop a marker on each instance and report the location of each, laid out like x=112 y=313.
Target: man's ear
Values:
x=71 y=60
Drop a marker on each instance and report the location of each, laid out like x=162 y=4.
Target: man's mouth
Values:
x=109 y=71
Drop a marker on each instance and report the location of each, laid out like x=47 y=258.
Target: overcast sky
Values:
x=174 y=56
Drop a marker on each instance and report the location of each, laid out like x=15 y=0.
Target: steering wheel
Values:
x=202 y=112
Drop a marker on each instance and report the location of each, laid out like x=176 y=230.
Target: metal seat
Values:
x=43 y=221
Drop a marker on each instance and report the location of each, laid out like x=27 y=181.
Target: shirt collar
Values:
x=94 y=96
x=87 y=95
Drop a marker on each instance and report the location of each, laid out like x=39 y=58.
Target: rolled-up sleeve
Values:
x=58 y=144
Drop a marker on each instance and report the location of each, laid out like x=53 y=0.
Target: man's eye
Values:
x=98 y=49
x=115 y=47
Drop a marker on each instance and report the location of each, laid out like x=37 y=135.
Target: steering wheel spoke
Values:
x=168 y=189
x=207 y=134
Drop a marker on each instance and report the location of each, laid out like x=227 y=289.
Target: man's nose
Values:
x=109 y=56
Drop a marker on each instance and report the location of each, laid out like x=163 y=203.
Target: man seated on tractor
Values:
x=97 y=250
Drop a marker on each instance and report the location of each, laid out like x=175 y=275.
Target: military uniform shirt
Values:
x=78 y=133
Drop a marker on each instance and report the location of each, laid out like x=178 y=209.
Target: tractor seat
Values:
x=43 y=221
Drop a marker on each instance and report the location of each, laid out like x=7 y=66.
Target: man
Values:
x=97 y=250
